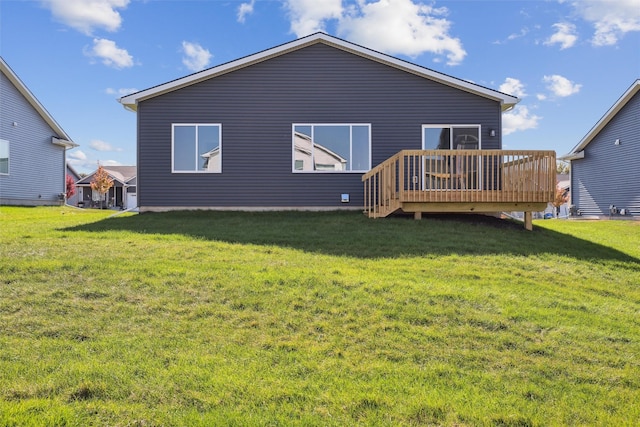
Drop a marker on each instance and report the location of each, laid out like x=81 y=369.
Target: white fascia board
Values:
x=595 y=130
x=63 y=142
x=30 y=97
x=572 y=156
x=507 y=101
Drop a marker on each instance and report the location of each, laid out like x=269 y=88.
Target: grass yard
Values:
x=325 y=319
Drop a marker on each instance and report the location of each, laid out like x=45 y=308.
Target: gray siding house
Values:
x=296 y=126
x=32 y=147
x=605 y=164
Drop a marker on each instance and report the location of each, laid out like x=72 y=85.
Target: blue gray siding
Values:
x=609 y=174
x=258 y=104
x=36 y=166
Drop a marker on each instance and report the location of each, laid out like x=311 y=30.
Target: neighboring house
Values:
x=32 y=147
x=122 y=195
x=298 y=125
x=605 y=164
x=75 y=176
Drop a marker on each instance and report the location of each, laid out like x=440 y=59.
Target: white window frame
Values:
x=196 y=125
x=8 y=157
x=313 y=125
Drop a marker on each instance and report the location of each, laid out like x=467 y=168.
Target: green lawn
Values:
x=327 y=319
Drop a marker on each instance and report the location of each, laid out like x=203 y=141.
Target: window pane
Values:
x=360 y=148
x=184 y=148
x=466 y=138
x=209 y=148
x=303 y=156
x=4 y=156
x=331 y=148
x=436 y=138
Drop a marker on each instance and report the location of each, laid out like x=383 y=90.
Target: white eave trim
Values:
x=63 y=142
x=507 y=102
x=572 y=156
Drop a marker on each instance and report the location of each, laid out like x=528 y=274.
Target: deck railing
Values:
x=460 y=176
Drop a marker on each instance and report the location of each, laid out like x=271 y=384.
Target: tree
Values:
x=561 y=197
x=101 y=183
x=563 y=167
x=70 y=186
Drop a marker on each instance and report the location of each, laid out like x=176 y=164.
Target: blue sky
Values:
x=568 y=60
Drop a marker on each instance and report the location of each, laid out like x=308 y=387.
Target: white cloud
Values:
x=120 y=92
x=561 y=86
x=245 y=9
x=77 y=155
x=111 y=55
x=308 y=16
x=86 y=15
x=82 y=163
x=513 y=87
x=196 y=57
x=402 y=27
x=99 y=145
x=541 y=96
x=523 y=32
x=611 y=19
x=519 y=119
x=110 y=163
x=79 y=164
x=564 y=36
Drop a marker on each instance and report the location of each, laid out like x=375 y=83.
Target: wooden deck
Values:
x=461 y=181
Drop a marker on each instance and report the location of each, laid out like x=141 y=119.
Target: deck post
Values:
x=528 y=220
x=417 y=215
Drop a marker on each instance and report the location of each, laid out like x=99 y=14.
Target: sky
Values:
x=568 y=61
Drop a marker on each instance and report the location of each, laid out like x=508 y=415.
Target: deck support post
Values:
x=528 y=220
x=417 y=215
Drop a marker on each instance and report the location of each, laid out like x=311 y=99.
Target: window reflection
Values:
x=335 y=148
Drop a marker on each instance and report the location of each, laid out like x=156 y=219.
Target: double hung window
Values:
x=196 y=148
x=331 y=147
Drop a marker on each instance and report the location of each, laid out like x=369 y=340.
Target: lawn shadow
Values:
x=352 y=234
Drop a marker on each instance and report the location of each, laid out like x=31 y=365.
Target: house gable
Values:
x=59 y=136
x=630 y=94
x=131 y=101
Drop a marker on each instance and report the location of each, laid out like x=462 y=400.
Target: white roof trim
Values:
x=61 y=136
x=131 y=101
x=620 y=103
x=63 y=142
x=572 y=156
